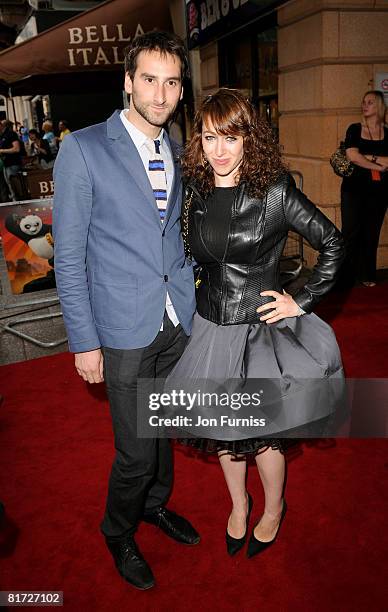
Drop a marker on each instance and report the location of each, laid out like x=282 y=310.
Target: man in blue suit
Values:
x=126 y=291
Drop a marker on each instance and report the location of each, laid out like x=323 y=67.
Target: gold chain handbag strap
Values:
x=185 y=236
x=185 y=225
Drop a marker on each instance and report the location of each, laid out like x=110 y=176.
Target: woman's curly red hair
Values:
x=232 y=114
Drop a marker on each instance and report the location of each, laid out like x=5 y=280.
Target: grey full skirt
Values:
x=296 y=360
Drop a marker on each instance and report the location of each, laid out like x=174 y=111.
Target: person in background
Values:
x=63 y=131
x=40 y=149
x=23 y=132
x=48 y=134
x=364 y=194
x=24 y=139
x=10 y=151
x=4 y=191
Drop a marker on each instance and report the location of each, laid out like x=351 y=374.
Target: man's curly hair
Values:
x=232 y=114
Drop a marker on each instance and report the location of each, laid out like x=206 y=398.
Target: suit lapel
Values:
x=176 y=180
x=123 y=147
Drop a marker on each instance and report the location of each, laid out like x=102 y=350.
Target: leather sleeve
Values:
x=306 y=219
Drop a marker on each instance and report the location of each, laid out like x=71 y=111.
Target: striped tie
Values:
x=157 y=176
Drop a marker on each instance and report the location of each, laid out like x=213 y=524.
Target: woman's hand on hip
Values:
x=282 y=307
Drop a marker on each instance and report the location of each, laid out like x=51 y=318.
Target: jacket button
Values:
x=163 y=232
x=165 y=278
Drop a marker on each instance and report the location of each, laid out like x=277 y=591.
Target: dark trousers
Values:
x=362 y=213
x=4 y=191
x=142 y=471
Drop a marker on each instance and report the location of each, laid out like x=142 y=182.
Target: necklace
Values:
x=370 y=133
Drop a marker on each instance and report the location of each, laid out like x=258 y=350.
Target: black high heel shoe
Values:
x=233 y=545
x=256 y=546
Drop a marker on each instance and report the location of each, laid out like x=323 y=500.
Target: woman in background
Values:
x=40 y=150
x=364 y=194
x=48 y=134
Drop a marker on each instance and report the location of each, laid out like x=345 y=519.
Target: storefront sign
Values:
x=91 y=41
x=208 y=19
x=99 y=45
x=40 y=184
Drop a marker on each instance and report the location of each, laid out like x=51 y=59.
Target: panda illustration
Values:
x=34 y=232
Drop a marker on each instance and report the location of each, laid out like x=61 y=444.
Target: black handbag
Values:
x=340 y=163
x=185 y=236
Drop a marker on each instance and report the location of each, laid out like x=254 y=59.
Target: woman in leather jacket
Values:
x=239 y=204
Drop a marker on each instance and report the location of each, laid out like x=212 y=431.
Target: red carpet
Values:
x=55 y=453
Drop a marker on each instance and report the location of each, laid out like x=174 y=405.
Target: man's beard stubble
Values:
x=157 y=120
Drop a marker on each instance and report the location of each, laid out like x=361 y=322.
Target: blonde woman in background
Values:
x=48 y=134
x=364 y=194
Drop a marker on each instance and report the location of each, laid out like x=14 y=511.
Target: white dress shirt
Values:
x=139 y=140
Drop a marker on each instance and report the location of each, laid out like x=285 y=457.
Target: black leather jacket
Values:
x=229 y=292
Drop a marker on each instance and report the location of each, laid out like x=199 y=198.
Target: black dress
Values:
x=363 y=206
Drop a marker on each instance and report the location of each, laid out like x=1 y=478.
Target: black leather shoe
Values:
x=131 y=564
x=256 y=546
x=233 y=545
x=173 y=525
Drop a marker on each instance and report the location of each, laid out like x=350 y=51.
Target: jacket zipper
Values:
x=238 y=195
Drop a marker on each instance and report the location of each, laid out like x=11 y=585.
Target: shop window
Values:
x=248 y=61
x=235 y=63
x=3 y=108
x=267 y=63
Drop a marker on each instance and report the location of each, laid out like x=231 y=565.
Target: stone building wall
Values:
x=329 y=52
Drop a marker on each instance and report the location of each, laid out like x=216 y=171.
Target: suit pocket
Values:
x=187 y=273
x=115 y=304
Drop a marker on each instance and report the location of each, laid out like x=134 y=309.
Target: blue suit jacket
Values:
x=114 y=260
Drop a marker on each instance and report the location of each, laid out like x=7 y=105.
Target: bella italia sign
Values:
x=101 y=45
x=93 y=40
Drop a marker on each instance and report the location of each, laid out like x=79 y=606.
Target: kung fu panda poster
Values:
x=28 y=247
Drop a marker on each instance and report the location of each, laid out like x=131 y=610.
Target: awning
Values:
x=91 y=42
x=76 y=82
